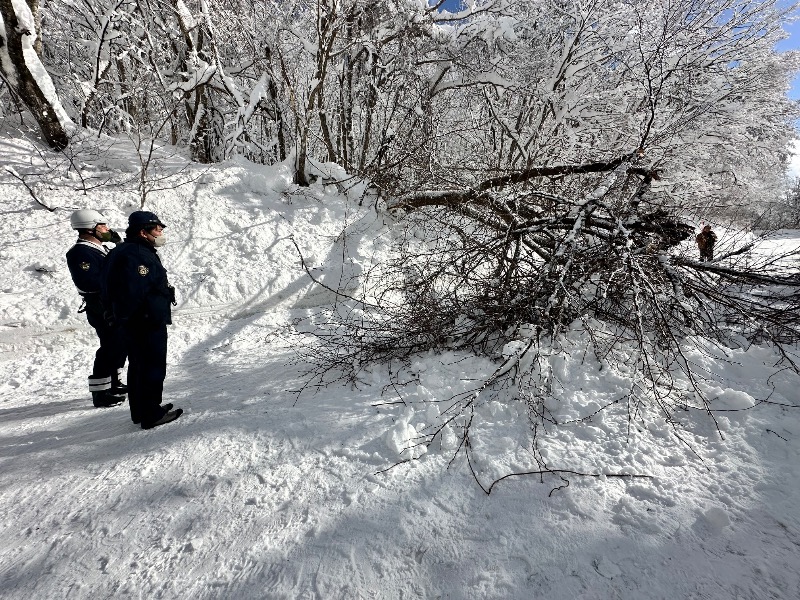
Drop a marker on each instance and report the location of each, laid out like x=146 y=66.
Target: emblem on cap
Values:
x=143 y=270
x=85 y=266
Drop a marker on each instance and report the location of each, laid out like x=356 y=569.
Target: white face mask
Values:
x=159 y=241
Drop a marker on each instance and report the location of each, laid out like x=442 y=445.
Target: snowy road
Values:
x=250 y=495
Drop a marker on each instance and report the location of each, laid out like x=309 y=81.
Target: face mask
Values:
x=103 y=237
x=159 y=241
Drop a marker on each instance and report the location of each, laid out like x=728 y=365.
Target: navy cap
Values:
x=141 y=219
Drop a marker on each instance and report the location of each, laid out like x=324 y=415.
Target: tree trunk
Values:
x=26 y=74
x=301 y=157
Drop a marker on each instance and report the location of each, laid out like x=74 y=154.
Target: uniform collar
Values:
x=92 y=245
x=86 y=242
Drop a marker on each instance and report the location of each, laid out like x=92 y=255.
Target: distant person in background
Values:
x=85 y=261
x=138 y=296
x=705 y=243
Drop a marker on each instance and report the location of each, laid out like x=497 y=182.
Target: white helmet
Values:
x=86 y=218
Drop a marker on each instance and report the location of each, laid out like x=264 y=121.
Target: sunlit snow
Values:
x=258 y=492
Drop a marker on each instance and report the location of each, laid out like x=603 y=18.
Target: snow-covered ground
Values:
x=256 y=492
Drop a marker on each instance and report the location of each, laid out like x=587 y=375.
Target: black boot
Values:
x=117 y=387
x=165 y=407
x=105 y=398
x=167 y=418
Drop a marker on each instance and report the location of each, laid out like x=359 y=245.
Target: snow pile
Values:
x=257 y=492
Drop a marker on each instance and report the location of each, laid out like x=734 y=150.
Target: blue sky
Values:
x=792 y=43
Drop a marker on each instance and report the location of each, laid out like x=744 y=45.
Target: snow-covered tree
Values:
x=411 y=97
x=583 y=140
x=24 y=73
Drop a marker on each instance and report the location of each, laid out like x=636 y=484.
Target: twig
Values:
x=393 y=466
x=778 y=434
x=558 y=472
x=319 y=283
x=21 y=179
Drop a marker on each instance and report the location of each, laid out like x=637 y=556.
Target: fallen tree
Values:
x=509 y=270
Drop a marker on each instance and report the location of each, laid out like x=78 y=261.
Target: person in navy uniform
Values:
x=85 y=260
x=138 y=297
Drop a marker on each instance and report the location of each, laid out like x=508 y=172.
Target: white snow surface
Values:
x=256 y=492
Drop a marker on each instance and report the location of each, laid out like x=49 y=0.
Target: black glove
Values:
x=171 y=291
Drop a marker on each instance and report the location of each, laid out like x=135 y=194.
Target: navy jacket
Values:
x=85 y=261
x=134 y=285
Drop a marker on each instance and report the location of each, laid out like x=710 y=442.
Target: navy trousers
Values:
x=147 y=368
x=110 y=356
